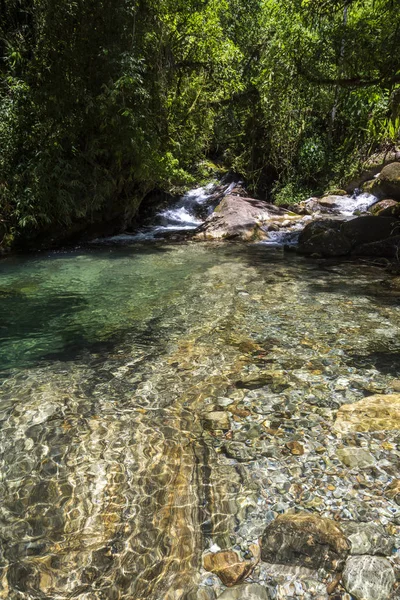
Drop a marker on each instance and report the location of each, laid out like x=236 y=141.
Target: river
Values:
x=114 y=361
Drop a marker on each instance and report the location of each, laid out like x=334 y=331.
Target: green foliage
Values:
x=102 y=101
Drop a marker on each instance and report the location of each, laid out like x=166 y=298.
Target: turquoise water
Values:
x=111 y=484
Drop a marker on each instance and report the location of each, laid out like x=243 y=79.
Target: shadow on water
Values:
x=332 y=276
x=40 y=325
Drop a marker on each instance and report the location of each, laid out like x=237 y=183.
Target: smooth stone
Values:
x=331 y=201
x=393 y=490
x=306 y=540
x=367 y=538
x=240 y=451
x=228 y=566
x=216 y=420
x=251 y=591
x=201 y=593
x=240 y=218
x=375 y=413
x=295 y=448
x=368 y=577
x=355 y=457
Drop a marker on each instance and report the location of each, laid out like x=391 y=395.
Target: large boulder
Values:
x=387 y=184
x=364 y=230
x=324 y=238
x=372 y=167
x=305 y=540
x=388 y=248
x=238 y=218
x=361 y=236
x=375 y=413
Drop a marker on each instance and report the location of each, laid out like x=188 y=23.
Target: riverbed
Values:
x=115 y=475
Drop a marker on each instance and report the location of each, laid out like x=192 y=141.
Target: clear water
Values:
x=111 y=486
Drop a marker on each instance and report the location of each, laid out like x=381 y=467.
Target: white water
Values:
x=345 y=206
x=348 y=205
x=182 y=216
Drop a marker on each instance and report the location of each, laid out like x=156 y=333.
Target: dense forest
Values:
x=104 y=101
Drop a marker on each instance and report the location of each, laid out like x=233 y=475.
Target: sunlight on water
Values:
x=112 y=486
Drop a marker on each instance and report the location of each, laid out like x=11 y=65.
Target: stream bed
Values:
x=150 y=397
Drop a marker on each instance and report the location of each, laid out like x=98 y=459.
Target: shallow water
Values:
x=111 y=485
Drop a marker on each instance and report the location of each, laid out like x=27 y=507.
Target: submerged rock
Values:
x=393 y=490
x=355 y=457
x=367 y=538
x=201 y=593
x=305 y=540
x=251 y=591
x=368 y=577
x=374 y=413
x=216 y=420
x=228 y=566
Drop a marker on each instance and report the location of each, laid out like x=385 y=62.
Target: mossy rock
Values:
x=387 y=185
x=386 y=208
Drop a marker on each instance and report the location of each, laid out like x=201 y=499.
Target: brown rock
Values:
x=393 y=490
x=239 y=411
x=216 y=420
x=238 y=218
x=228 y=566
x=305 y=540
x=295 y=448
x=374 y=413
x=386 y=208
x=331 y=201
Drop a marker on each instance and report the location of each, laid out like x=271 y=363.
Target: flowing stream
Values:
x=113 y=362
x=112 y=487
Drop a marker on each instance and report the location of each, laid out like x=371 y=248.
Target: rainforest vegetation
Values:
x=102 y=101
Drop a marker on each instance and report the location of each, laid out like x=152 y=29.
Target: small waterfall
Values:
x=187 y=214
